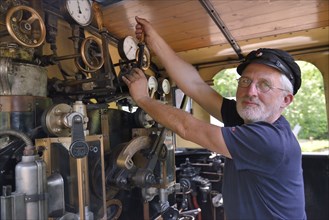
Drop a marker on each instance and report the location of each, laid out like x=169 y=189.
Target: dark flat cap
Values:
x=278 y=59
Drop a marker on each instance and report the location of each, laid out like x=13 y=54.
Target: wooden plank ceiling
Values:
x=189 y=30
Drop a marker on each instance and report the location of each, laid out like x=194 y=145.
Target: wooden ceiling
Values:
x=192 y=32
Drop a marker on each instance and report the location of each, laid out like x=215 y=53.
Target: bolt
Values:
x=123 y=181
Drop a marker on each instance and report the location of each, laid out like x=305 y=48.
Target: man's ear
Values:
x=287 y=99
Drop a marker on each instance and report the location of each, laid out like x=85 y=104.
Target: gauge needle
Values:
x=131 y=47
x=79 y=7
x=152 y=92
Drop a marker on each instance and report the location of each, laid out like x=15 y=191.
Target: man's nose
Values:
x=252 y=89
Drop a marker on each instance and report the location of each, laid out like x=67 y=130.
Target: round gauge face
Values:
x=152 y=83
x=127 y=48
x=165 y=86
x=79 y=11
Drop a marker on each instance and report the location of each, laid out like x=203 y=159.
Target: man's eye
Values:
x=245 y=81
x=264 y=85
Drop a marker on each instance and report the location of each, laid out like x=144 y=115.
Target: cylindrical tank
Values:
x=30 y=176
x=23 y=91
x=22 y=113
x=22 y=78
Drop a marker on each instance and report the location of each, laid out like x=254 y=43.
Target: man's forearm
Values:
x=166 y=115
x=185 y=125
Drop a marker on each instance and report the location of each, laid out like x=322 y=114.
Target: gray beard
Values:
x=253 y=114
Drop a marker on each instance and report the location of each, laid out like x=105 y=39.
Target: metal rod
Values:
x=220 y=23
x=80 y=189
x=66 y=57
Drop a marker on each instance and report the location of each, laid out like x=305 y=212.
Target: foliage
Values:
x=225 y=82
x=308 y=109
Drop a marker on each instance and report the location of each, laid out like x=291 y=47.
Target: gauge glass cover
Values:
x=152 y=83
x=128 y=48
x=165 y=85
x=80 y=11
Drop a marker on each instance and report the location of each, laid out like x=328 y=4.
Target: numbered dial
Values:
x=152 y=84
x=77 y=11
x=127 y=48
x=164 y=86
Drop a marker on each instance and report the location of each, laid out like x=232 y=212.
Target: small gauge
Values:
x=152 y=84
x=164 y=86
x=77 y=11
x=127 y=48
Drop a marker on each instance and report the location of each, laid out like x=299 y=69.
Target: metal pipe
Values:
x=221 y=25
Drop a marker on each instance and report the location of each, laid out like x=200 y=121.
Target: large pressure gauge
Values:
x=77 y=11
x=127 y=48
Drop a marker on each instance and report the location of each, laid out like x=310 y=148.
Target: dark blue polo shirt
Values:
x=264 y=178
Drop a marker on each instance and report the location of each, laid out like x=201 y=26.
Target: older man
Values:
x=263 y=175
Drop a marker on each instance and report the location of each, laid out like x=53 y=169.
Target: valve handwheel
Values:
x=92 y=53
x=26 y=26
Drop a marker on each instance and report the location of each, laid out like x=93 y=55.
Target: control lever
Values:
x=141 y=46
x=108 y=64
x=79 y=147
x=145 y=176
x=143 y=57
x=156 y=149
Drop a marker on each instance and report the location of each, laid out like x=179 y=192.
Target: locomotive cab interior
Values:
x=74 y=145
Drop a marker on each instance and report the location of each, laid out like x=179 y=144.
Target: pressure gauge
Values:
x=164 y=86
x=77 y=11
x=152 y=84
x=127 y=48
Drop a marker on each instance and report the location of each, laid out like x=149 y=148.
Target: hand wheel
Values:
x=26 y=26
x=91 y=54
